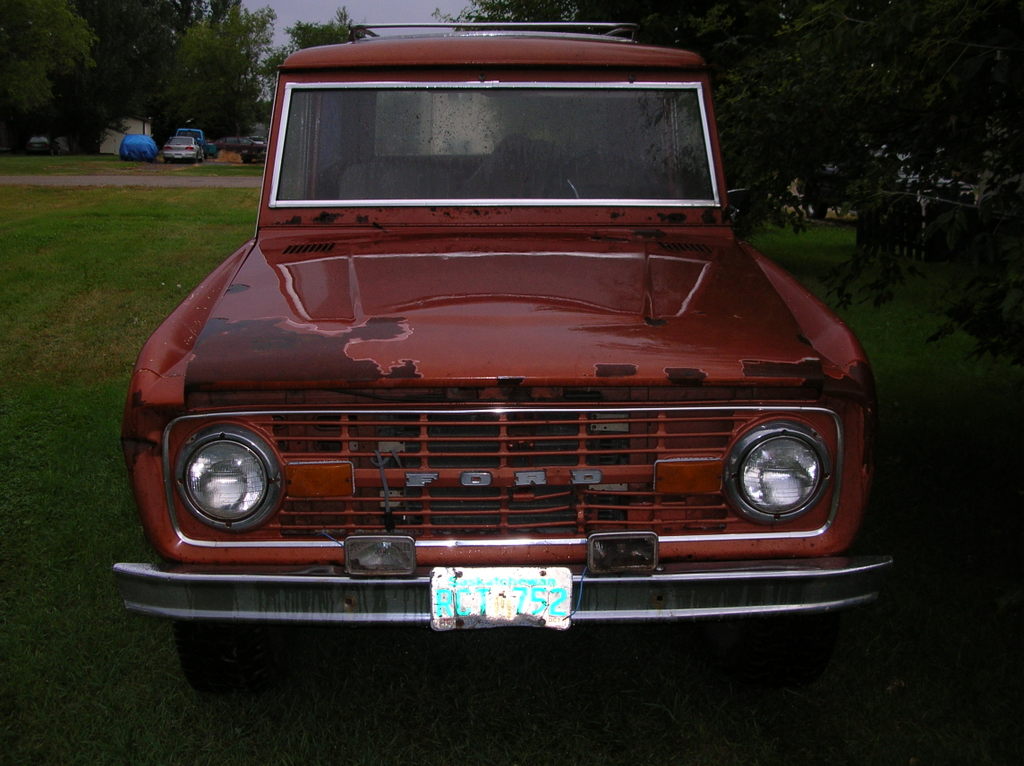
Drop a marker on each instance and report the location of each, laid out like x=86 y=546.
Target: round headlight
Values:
x=228 y=477
x=777 y=471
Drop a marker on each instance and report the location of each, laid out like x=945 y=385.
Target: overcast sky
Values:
x=374 y=11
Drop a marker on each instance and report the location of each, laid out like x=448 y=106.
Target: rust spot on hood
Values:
x=268 y=350
x=404 y=371
x=615 y=370
x=806 y=369
x=685 y=376
x=673 y=218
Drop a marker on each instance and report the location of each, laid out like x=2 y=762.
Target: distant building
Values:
x=111 y=141
x=5 y=137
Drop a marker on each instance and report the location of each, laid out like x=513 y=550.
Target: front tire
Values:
x=219 y=657
x=787 y=650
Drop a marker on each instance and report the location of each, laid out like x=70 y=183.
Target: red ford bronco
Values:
x=496 y=357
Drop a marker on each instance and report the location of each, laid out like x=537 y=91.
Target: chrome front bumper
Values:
x=325 y=594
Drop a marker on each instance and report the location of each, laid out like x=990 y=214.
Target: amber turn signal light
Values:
x=688 y=476
x=320 y=479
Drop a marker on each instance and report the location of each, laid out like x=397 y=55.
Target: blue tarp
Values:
x=138 y=148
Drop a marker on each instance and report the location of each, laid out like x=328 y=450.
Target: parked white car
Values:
x=182 y=149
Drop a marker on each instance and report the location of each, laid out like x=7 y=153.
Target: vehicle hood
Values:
x=650 y=310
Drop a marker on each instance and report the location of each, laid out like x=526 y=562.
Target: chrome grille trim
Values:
x=708 y=412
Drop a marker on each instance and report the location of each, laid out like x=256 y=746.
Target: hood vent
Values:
x=319 y=247
x=685 y=247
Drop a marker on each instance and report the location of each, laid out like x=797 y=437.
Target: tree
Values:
x=520 y=10
x=910 y=102
x=216 y=82
x=722 y=30
x=219 y=10
x=305 y=34
x=133 y=47
x=39 y=39
x=182 y=14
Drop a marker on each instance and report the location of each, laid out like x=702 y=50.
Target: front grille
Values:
x=521 y=472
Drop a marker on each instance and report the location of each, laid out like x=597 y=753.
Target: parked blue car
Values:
x=209 y=150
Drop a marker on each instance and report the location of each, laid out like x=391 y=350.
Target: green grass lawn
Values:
x=930 y=674
x=107 y=164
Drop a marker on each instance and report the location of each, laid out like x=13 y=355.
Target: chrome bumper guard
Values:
x=325 y=594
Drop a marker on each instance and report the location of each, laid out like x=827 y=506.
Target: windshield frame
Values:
x=274 y=200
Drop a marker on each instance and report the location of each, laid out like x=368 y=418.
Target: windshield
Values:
x=629 y=144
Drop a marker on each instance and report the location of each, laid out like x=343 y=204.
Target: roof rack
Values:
x=599 y=28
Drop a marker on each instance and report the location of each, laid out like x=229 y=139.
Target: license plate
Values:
x=494 y=597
